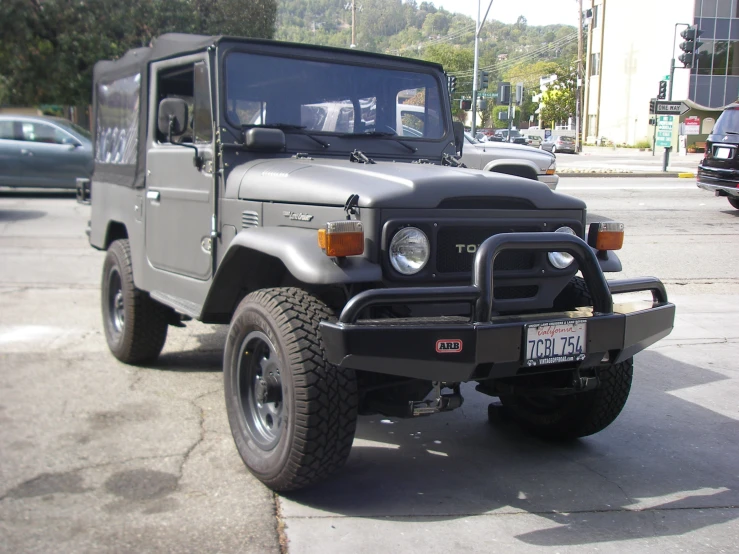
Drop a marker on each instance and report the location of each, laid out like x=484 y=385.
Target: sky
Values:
x=536 y=12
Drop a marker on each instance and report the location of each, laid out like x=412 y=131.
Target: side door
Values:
x=471 y=154
x=10 y=153
x=50 y=157
x=179 y=195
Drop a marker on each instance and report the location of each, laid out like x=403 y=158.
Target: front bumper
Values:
x=492 y=346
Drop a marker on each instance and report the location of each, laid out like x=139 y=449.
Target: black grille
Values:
x=457 y=246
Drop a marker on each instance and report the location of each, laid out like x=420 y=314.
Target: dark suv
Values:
x=719 y=170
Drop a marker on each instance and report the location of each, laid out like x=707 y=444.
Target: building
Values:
x=630 y=45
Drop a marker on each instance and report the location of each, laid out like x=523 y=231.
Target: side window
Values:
x=41 y=132
x=190 y=83
x=7 y=130
x=202 y=116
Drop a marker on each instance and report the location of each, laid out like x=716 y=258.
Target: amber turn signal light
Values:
x=608 y=235
x=342 y=238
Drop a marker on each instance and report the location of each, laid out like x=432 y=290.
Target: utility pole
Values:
x=578 y=83
x=354 y=20
x=477 y=63
x=666 y=160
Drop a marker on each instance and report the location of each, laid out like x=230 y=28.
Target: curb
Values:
x=686 y=175
x=649 y=174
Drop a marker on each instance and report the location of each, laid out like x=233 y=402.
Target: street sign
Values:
x=676 y=107
x=487 y=94
x=692 y=125
x=664 y=131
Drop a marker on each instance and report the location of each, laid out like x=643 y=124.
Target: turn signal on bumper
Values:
x=342 y=238
x=608 y=235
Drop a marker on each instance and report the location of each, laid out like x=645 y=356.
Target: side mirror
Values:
x=265 y=140
x=69 y=141
x=172 y=118
x=458 y=127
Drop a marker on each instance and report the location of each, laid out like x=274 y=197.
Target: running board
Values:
x=178 y=304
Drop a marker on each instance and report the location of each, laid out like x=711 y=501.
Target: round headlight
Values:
x=561 y=260
x=409 y=250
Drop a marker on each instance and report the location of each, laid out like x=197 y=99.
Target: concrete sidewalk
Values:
x=609 y=161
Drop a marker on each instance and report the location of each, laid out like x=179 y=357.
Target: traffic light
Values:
x=452 y=83
x=465 y=104
x=519 y=93
x=652 y=106
x=484 y=80
x=504 y=93
x=662 y=90
x=690 y=46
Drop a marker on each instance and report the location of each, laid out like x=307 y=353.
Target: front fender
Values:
x=609 y=261
x=259 y=258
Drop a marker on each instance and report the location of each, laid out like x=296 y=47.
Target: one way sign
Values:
x=678 y=107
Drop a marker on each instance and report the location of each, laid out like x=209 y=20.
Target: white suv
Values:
x=511 y=159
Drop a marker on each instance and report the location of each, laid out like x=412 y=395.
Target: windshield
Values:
x=326 y=97
x=728 y=123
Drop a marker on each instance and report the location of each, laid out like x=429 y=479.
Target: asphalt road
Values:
x=96 y=456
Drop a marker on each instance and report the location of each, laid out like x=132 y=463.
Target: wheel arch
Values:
x=274 y=257
x=115 y=230
x=517 y=168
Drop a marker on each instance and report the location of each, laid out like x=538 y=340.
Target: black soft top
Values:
x=126 y=164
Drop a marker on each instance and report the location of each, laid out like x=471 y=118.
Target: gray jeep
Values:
x=291 y=192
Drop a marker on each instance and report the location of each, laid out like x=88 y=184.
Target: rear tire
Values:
x=135 y=325
x=292 y=414
x=578 y=415
x=734 y=202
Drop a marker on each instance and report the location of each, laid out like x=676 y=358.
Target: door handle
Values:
x=152 y=195
x=25 y=152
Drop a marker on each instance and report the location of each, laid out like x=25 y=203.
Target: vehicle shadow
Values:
x=662 y=453
x=37 y=193
x=205 y=355
x=11 y=216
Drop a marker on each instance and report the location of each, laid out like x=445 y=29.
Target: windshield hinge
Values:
x=360 y=157
x=451 y=161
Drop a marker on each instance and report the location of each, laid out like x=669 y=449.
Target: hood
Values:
x=382 y=185
x=514 y=150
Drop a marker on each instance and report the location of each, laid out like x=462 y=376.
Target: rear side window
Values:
x=728 y=122
x=117 y=132
x=6 y=130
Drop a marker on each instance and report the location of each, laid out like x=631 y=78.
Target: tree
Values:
x=559 y=101
x=49 y=47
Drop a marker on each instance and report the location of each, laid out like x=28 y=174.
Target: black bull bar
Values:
x=492 y=346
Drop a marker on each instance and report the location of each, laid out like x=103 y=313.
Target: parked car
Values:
x=38 y=151
x=511 y=159
x=533 y=140
x=558 y=144
x=515 y=136
x=718 y=172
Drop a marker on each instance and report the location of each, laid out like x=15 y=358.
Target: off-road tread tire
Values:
x=734 y=202
x=324 y=415
x=146 y=320
x=581 y=414
x=574 y=295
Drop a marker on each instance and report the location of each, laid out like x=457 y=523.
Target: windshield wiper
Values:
x=728 y=133
x=381 y=134
x=291 y=127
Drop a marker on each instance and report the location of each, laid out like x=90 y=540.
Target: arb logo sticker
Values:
x=448 y=346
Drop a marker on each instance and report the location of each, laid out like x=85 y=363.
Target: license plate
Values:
x=555 y=342
x=722 y=153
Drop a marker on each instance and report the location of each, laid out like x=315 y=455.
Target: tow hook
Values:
x=582 y=384
x=439 y=403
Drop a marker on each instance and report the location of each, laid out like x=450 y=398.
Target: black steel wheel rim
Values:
x=116 y=308
x=260 y=390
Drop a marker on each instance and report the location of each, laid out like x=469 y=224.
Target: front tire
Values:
x=578 y=415
x=292 y=414
x=734 y=202
x=135 y=325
